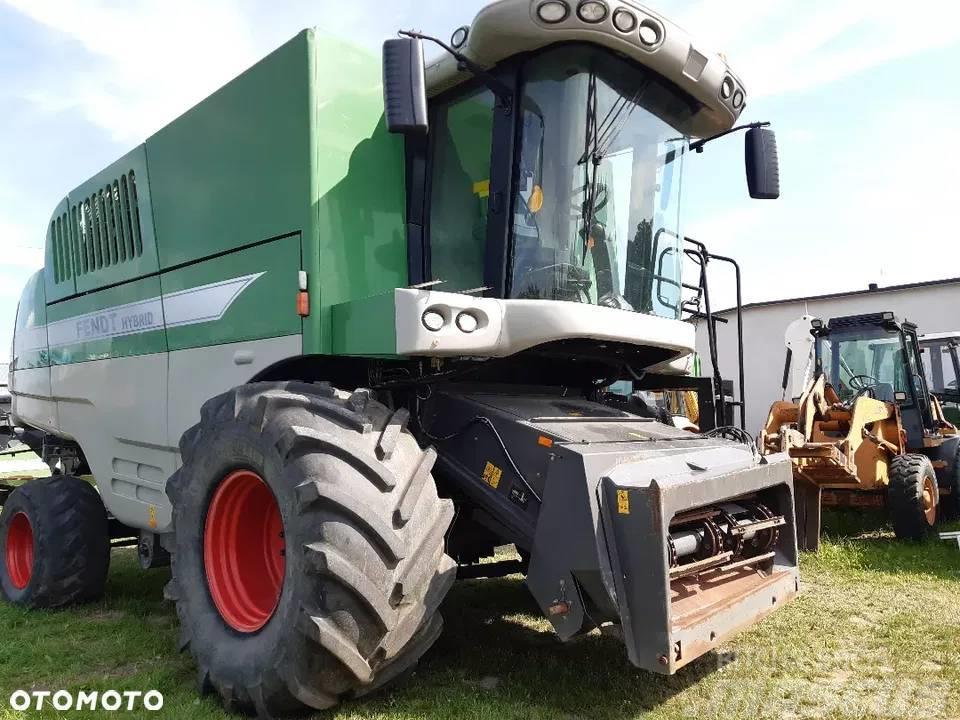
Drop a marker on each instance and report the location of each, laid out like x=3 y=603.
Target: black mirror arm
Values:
x=698 y=145
x=500 y=89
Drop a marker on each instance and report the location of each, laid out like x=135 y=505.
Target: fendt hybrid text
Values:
x=343 y=328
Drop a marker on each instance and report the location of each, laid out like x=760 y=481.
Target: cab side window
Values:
x=462 y=134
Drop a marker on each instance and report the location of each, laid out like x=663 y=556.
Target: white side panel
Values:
x=31 y=400
x=506 y=327
x=116 y=410
x=198 y=374
x=799 y=340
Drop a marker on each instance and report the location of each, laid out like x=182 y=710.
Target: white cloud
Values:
x=781 y=47
x=150 y=61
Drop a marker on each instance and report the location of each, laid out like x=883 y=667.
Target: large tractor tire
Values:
x=912 y=496
x=55 y=543
x=308 y=550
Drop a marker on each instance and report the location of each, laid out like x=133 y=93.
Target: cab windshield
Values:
x=859 y=360
x=597 y=209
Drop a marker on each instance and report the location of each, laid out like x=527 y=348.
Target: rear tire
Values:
x=54 y=543
x=346 y=599
x=913 y=496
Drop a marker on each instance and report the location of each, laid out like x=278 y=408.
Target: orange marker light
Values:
x=545 y=441
x=303 y=304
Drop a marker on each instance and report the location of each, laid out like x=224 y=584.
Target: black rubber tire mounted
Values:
x=365 y=567
x=905 y=496
x=71 y=542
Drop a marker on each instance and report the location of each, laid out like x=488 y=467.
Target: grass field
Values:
x=874 y=634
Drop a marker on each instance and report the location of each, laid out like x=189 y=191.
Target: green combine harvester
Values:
x=346 y=326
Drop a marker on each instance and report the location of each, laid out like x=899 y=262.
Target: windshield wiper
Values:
x=600 y=137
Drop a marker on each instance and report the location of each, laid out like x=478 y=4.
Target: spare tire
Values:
x=308 y=552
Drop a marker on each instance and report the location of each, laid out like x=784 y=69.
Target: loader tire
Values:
x=912 y=496
x=55 y=543
x=308 y=551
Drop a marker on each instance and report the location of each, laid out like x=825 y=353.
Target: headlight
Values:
x=624 y=21
x=553 y=12
x=726 y=89
x=650 y=33
x=738 y=98
x=433 y=321
x=592 y=11
x=467 y=322
x=460 y=36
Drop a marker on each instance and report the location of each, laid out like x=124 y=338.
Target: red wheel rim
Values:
x=243 y=551
x=20 y=551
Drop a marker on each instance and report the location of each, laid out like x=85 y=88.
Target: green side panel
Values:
x=30 y=331
x=360 y=248
x=365 y=327
x=59 y=277
x=235 y=169
x=262 y=302
x=120 y=321
x=111 y=221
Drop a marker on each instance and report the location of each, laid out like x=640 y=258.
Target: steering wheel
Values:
x=858 y=383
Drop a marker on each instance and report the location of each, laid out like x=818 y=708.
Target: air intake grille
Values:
x=100 y=231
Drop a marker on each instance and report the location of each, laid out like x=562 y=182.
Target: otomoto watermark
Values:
x=106 y=700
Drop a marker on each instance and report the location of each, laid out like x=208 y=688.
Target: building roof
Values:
x=872 y=290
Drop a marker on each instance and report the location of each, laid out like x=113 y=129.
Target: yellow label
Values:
x=492 y=475
x=623 y=502
x=482 y=188
x=152 y=515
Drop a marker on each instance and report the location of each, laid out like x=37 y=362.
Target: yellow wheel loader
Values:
x=867 y=432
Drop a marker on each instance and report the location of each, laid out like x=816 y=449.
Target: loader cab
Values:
x=878 y=356
x=939 y=354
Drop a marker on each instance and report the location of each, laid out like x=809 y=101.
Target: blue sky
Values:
x=862 y=93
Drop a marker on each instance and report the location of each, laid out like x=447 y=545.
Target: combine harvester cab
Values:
x=340 y=331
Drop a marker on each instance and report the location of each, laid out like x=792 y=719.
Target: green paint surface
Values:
x=31 y=315
x=124 y=246
x=360 y=245
x=288 y=167
x=353 y=324
x=235 y=169
x=265 y=309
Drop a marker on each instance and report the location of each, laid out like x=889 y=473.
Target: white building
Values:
x=933 y=306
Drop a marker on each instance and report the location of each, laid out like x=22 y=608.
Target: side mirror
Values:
x=404 y=86
x=763 y=165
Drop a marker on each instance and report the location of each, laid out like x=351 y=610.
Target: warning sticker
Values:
x=623 y=502
x=492 y=475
